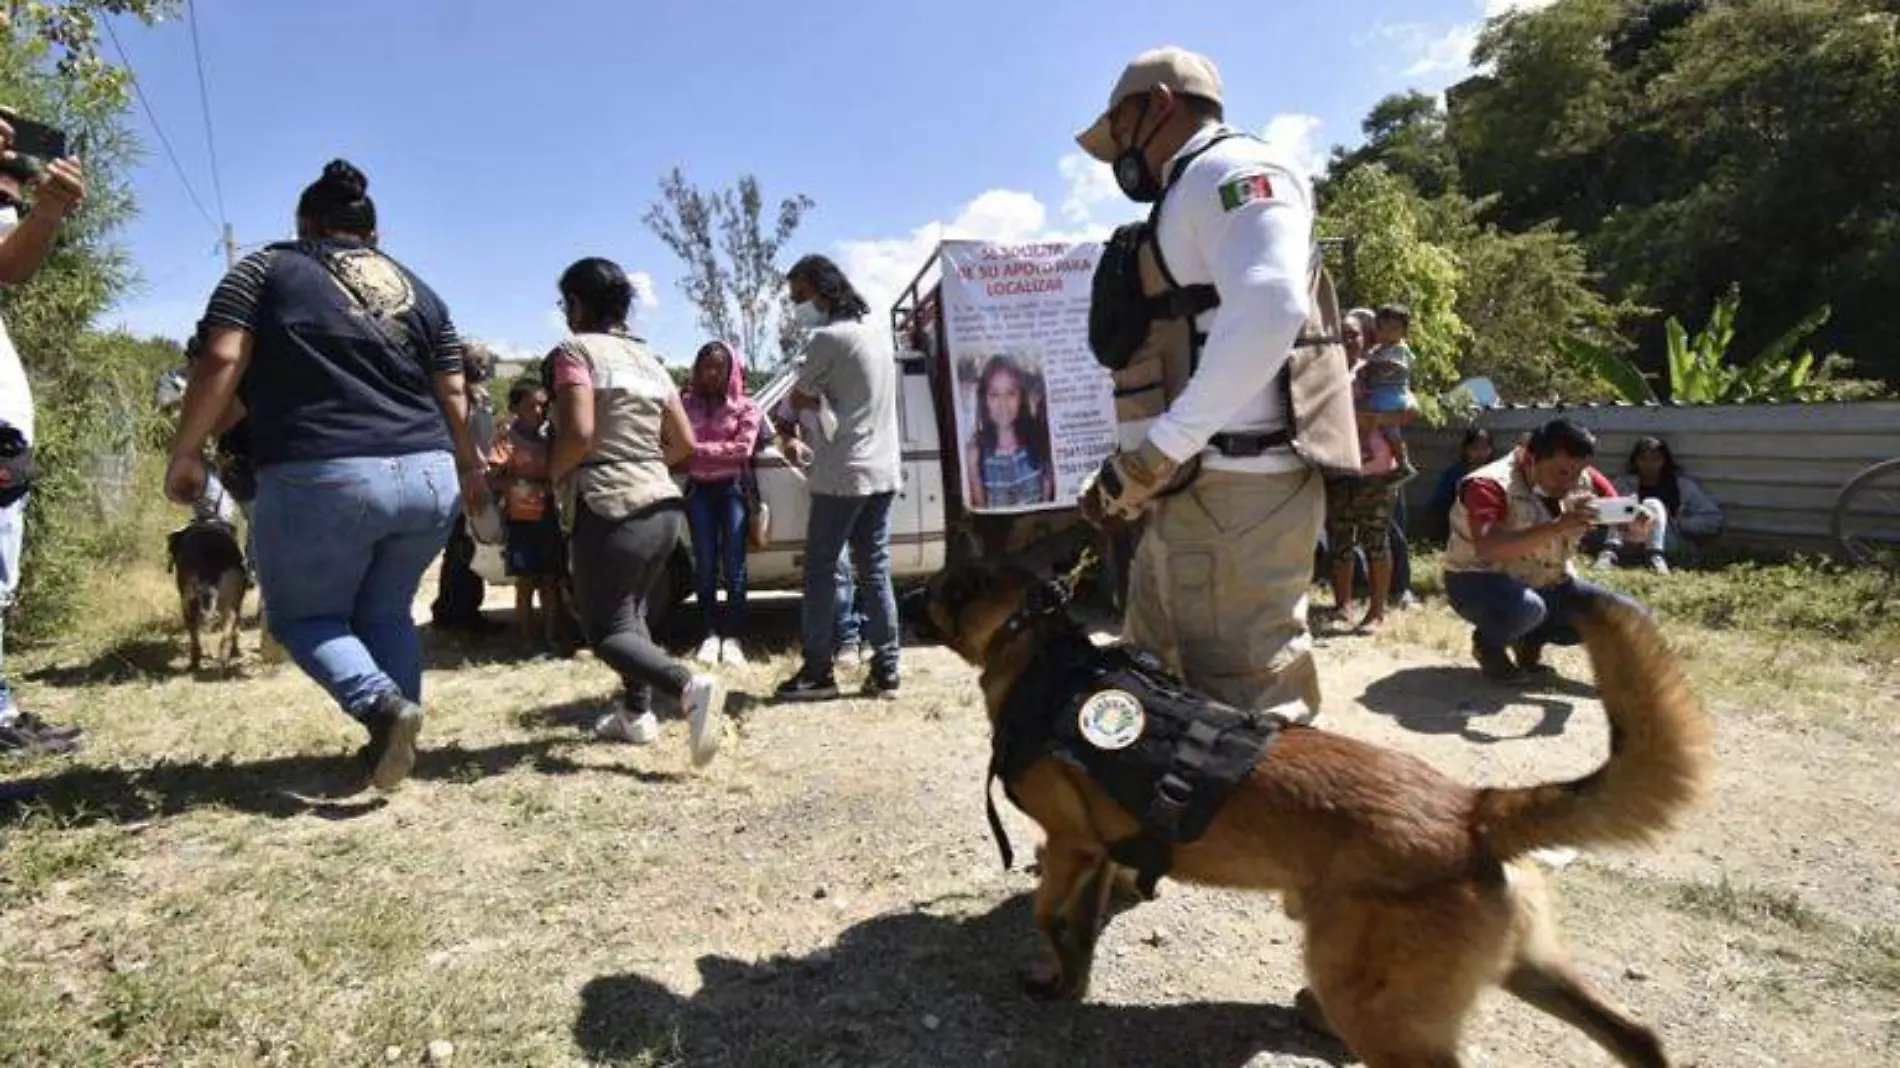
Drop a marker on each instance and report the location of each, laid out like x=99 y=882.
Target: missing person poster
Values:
x=1035 y=412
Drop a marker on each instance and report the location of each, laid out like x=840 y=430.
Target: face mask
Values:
x=9 y=220
x=1137 y=180
x=806 y=314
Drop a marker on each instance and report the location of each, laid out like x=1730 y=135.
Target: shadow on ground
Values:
x=1444 y=700
x=921 y=988
x=127 y=661
x=327 y=786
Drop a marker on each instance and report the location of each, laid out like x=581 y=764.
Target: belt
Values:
x=1246 y=445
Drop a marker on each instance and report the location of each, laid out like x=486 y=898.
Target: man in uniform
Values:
x=1220 y=577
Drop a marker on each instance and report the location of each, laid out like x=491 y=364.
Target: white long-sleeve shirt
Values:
x=1240 y=219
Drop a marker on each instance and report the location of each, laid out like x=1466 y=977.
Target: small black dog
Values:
x=208 y=561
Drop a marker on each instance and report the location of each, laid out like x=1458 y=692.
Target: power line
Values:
x=204 y=101
x=139 y=91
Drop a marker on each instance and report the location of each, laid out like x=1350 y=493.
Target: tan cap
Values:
x=1177 y=68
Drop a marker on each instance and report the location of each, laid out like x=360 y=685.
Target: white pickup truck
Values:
x=928 y=524
x=917 y=520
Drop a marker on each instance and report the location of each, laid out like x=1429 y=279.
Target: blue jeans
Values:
x=850 y=605
x=864 y=523
x=716 y=515
x=1504 y=610
x=341 y=547
x=12 y=546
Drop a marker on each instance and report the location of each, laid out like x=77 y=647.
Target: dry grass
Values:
x=201 y=888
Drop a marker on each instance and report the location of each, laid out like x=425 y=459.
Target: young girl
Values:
x=1388 y=402
x=1008 y=458
x=725 y=431
x=518 y=462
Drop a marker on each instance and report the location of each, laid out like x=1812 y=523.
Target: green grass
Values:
x=1787 y=935
x=1795 y=599
x=1798 y=641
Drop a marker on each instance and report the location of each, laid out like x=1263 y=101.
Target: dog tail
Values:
x=1661 y=747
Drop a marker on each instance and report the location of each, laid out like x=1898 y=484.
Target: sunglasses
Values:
x=7 y=200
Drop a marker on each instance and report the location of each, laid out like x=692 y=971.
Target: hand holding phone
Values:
x=36 y=140
x=1616 y=511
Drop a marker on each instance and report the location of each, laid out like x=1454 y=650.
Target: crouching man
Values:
x=1515 y=529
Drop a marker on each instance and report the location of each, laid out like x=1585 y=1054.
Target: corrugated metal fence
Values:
x=1774 y=468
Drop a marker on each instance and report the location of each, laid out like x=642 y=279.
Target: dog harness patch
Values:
x=1111 y=720
x=1165 y=754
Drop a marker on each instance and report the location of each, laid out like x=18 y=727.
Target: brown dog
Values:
x=208 y=563
x=1409 y=884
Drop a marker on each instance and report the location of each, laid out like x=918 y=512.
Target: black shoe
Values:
x=1530 y=658
x=47 y=731
x=808 y=687
x=23 y=737
x=1495 y=662
x=881 y=682
x=391 y=753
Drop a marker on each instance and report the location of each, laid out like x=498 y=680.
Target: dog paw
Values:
x=1043 y=982
x=1048 y=984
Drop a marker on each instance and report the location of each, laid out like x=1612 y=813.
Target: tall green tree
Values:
x=1406 y=133
x=1698 y=145
x=1397 y=262
x=730 y=250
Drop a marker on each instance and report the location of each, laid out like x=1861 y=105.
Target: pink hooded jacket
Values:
x=727 y=431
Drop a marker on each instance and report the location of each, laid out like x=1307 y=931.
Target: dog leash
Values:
x=1052 y=596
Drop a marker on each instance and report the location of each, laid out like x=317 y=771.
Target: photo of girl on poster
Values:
x=1006 y=462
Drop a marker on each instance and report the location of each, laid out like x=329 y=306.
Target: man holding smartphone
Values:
x=25 y=240
x=1515 y=529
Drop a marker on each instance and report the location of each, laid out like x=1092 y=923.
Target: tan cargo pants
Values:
x=1219 y=582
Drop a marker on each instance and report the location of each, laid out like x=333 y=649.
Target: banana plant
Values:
x=1698 y=367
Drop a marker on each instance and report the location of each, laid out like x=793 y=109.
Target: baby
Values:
x=1387 y=401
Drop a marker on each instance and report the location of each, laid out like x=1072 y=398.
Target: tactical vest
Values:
x=1315 y=384
x=1168 y=756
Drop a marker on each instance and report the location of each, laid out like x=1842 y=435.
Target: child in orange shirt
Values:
x=518 y=469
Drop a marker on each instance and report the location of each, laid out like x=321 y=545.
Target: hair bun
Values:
x=342 y=177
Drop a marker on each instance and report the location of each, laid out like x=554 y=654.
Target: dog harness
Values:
x=1167 y=755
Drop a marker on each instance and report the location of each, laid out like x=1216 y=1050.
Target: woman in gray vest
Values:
x=618 y=429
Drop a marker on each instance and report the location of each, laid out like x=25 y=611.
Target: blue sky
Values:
x=505 y=140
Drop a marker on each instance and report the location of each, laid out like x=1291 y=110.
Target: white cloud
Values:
x=1429 y=51
x=1296 y=137
x=646 y=295
x=1449 y=54
x=1091 y=185
x=880 y=268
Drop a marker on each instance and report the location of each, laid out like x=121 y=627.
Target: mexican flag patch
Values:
x=1245 y=191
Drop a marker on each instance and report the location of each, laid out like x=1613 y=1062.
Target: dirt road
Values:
x=827 y=892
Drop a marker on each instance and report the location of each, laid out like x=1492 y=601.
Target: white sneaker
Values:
x=731 y=655
x=623 y=726
x=708 y=651
x=705 y=702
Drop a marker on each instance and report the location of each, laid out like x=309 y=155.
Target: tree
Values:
x=1525 y=297
x=1696 y=145
x=93 y=391
x=1397 y=263
x=1406 y=133
x=732 y=275
x=65 y=33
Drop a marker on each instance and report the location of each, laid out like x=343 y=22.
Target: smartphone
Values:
x=1616 y=511
x=36 y=139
